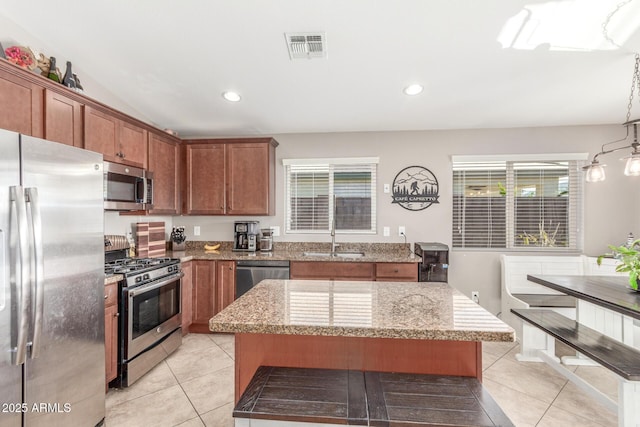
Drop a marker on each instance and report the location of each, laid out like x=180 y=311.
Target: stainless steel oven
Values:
x=153 y=312
x=151 y=316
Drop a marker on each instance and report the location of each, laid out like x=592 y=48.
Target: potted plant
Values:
x=629 y=257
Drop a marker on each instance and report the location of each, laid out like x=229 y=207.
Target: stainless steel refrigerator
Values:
x=52 y=370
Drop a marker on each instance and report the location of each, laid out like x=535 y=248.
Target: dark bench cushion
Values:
x=305 y=395
x=610 y=353
x=430 y=400
x=547 y=300
x=368 y=398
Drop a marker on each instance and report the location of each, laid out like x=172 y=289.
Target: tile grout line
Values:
x=187 y=396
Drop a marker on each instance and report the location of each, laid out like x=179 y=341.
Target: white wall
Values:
x=609 y=206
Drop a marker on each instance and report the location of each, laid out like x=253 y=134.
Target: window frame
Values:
x=331 y=164
x=575 y=208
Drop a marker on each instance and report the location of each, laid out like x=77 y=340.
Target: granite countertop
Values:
x=294 y=252
x=406 y=310
x=115 y=278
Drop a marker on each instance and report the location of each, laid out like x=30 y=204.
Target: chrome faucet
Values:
x=334 y=245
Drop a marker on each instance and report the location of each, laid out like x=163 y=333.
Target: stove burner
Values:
x=128 y=266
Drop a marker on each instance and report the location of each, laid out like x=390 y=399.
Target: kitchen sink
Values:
x=335 y=254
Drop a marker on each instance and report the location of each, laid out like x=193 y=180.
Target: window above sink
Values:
x=312 y=185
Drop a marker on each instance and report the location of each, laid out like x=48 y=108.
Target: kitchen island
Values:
x=404 y=327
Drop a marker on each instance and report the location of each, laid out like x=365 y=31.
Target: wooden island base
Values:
x=461 y=358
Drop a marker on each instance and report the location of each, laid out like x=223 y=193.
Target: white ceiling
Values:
x=170 y=60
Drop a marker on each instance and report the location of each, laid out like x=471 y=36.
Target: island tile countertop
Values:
x=295 y=252
x=406 y=310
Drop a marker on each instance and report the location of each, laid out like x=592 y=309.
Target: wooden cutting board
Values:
x=150 y=240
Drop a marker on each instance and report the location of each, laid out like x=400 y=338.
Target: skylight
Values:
x=571 y=25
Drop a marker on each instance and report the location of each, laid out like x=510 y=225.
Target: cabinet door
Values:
x=111 y=331
x=205 y=179
x=332 y=270
x=111 y=342
x=62 y=119
x=249 y=179
x=225 y=284
x=100 y=133
x=163 y=162
x=132 y=143
x=204 y=294
x=397 y=272
x=20 y=105
x=187 y=296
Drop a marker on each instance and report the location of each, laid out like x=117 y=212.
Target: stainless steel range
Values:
x=150 y=314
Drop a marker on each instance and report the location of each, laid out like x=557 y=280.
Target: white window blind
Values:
x=319 y=189
x=532 y=205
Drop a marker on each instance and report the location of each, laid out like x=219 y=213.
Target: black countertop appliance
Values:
x=435 y=261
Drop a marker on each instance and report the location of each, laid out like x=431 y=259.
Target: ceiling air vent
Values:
x=306 y=45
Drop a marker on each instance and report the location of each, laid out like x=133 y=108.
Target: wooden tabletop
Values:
x=611 y=292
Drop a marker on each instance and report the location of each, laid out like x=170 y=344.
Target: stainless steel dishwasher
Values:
x=251 y=272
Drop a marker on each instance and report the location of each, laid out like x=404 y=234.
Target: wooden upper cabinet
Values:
x=205 y=190
x=21 y=104
x=250 y=179
x=118 y=141
x=230 y=176
x=100 y=133
x=164 y=158
x=132 y=144
x=63 y=119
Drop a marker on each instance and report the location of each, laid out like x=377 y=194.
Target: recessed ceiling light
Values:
x=413 y=89
x=231 y=96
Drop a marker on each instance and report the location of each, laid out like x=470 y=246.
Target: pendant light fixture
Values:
x=595 y=171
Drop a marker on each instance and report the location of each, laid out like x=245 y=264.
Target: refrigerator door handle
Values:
x=36 y=228
x=22 y=277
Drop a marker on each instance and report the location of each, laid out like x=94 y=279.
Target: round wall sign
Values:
x=415 y=188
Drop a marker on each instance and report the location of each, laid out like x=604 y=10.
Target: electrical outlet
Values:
x=275 y=230
x=401 y=231
x=196 y=230
x=386 y=232
x=475 y=296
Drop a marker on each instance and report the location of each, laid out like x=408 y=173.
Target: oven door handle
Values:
x=154 y=285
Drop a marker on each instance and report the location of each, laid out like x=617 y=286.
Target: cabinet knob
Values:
x=116 y=315
x=106 y=296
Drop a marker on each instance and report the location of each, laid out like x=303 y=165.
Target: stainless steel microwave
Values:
x=127 y=188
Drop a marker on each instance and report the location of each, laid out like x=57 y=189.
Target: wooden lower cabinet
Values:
x=330 y=270
x=204 y=295
x=187 y=296
x=335 y=270
x=111 y=331
x=225 y=284
x=397 y=272
x=214 y=284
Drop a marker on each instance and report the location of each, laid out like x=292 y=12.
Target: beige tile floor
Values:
x=194 y=387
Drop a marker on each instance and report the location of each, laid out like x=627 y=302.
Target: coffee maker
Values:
x=245 y=236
